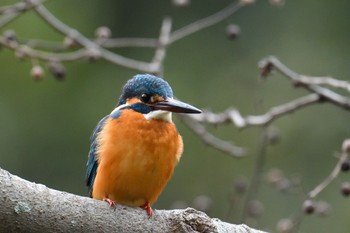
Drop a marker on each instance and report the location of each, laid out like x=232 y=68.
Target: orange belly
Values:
x=136 y=159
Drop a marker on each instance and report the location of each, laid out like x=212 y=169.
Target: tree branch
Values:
x=10 y=12
x=334 y=173
x=160 y=52
x=329 y=81
x=232 y=115
x=209 y=139
x=99 y=51
x=88 y=44
x=206 y=22
x=31 y=207
x=269 y=63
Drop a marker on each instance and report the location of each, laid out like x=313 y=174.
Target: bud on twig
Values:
x=10 y=36
x=255 y=208
x=285 y=225
x=69 y=42
x=57 y=70
x=274 y=176
x=233 y=31
x=103 y=32
x=345 y=165
x=346 y=146
x=37 y=72
x=22 y=51
x=308 y=206
x=323 y=208
x=93 y=54
x=265 y=68
x=241 y=185
x=284 y=185
x=345 y=189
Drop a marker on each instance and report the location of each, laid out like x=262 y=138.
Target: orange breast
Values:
x=136 y=159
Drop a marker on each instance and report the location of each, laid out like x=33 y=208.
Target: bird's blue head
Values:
x=143 y=87
x=147 y=93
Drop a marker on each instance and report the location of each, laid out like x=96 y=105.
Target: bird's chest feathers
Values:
x=133 y=142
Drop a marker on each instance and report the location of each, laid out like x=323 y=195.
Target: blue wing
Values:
x=92 y=162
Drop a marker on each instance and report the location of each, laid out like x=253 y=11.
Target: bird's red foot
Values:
x=148 y=208
x=110 y=202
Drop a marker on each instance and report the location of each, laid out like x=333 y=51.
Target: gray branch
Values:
x=30 y=207
x=269 y=63
x=232 y=115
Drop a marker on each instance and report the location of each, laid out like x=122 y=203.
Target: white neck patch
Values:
x=159 y=115
x=118 y=108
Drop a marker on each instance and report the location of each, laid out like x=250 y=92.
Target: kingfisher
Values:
x=135 y=148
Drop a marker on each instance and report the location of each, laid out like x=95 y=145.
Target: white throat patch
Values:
x=159 y=115
x=118 y=108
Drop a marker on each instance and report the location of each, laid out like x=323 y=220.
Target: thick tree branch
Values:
x=30 y=207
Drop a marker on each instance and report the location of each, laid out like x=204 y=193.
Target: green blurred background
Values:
x=45 y=126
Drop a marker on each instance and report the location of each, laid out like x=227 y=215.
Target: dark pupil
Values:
x=145 y=98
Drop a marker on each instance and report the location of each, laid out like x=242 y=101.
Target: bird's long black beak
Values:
x=173 y=105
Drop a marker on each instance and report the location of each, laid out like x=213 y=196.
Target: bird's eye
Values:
x=145 y=98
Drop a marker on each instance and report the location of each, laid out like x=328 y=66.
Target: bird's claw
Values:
x=110 y=202
x=148 y=209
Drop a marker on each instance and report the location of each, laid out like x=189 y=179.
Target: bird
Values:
x=136 y=147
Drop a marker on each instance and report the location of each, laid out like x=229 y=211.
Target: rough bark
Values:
x=30 y=207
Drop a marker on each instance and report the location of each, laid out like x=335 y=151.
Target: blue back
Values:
x=92 y=163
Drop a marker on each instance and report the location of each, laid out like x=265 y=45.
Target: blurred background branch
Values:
x=94 y=50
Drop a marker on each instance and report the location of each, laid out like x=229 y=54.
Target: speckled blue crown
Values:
x=145 y=84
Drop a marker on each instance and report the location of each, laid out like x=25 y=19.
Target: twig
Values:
x=27 y=51
x=256 y=179
x=20 y=6
x=11 y=12
x=45 y=45
x=232 y=115
x=272 y=62
x=211 y=140
x=205 y=22
x=107 y=43
x=8 y=18
x=176 y=35
x=329 y=81
x=160 y=52
x=165 y=39
x=130 y=42
x=321 y=186
x=88 y=44
x=345 y=150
